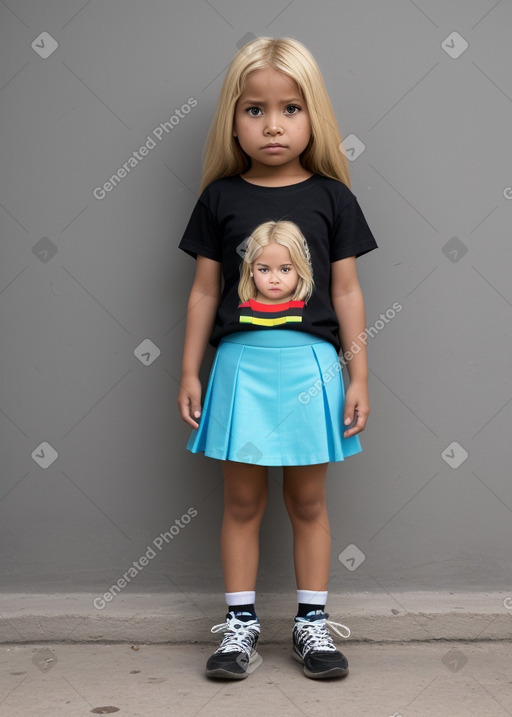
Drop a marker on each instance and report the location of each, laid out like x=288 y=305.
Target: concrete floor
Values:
x=386 y=680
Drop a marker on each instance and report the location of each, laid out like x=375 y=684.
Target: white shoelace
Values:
x=315 y=636
x=239 y=635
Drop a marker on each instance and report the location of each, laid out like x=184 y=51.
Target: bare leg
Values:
x=245 y=499
x=304 y=497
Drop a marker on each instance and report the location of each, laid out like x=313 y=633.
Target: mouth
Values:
x=273 y=145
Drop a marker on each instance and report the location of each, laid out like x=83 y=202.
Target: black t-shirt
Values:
x=329 y=217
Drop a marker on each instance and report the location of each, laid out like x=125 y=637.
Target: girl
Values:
x=275 y=395
x=276 y=269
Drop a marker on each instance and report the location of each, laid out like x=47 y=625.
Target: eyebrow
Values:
x=261 y=102
x=288 y=263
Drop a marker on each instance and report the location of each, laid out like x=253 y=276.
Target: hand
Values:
x=357 y=408
x=189 y=400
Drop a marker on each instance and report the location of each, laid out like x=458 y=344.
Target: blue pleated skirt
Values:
x=275 y=397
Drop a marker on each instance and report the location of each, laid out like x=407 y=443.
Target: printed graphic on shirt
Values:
x=253 y=312
x=230 y=211
x=276 y=276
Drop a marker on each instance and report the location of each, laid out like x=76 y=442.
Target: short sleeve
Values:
x=201 y=235
x=351 y=236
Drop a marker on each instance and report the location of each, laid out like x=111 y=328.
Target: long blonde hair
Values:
x=223 y=156
x=286 y=234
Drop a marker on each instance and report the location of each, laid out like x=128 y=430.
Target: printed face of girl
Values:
x=275 y=276
x=272 y=122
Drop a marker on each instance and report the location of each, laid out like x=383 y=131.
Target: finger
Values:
x=195 y=408
x=185 y=412
x=359 y=425
x=349 y=413
x=190 y=421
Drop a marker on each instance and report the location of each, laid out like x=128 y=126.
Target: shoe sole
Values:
x=220 y=674
x=334 y=672
x=223 y=674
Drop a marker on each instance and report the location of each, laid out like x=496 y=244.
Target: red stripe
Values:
x=271 y=308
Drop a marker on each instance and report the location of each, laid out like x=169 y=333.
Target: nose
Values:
x=273 y=124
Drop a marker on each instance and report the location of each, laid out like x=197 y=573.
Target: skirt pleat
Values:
x=276 y=398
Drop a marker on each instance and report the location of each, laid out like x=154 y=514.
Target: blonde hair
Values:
x=286 y=234
x=223 y=156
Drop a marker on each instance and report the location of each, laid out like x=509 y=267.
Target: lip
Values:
x=273 y=147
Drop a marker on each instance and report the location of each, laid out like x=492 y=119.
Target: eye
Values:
x=286 y=269
x=292 y=109
x=263 y=269
x=252 y=111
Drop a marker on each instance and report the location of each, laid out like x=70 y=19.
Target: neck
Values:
x=277 y=177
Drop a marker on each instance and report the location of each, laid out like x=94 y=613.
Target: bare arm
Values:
x=347 y=300
x=201 y=310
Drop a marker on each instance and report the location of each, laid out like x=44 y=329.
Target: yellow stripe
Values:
x=270 y=322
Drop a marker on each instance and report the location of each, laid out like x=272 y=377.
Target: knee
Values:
x=305 y=509
x=245 y=509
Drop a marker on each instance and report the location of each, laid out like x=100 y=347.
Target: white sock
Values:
x=243 y=598
x=313 y=597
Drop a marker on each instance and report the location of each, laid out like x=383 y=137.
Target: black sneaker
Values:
x=237 y=654
x=313 y=646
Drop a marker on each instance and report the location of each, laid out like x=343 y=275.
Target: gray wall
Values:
x=85 y=280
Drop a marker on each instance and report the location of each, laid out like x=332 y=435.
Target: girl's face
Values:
x=272 y=122
x=275 y=276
